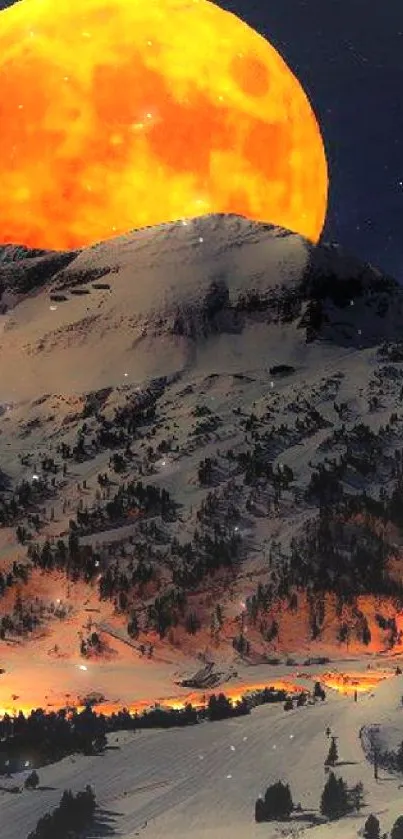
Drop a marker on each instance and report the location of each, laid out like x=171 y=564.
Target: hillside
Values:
x=201 y=458
x=202 y=782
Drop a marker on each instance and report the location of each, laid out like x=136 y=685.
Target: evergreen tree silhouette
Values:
x=372 y=828
x=32 y=781
x=333 y=755
x=277 y=803
x=334 y=800
x=397 y=829
x=260 y=815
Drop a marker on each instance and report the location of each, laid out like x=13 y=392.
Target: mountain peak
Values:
x=168 y=289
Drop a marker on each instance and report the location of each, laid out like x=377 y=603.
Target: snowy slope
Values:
x=175 y=301
x=144 y=304
x=202 y=782
x=154 y=275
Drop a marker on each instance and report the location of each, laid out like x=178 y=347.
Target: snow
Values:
x=200 y=782
x=203 y=781
x=154 y=271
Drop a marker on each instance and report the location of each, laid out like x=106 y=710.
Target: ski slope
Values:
x=202 y=782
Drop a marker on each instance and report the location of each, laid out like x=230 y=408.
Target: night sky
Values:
x=348 y=55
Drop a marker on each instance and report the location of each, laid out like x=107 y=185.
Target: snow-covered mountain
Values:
x=214 y=408
x=162 y=291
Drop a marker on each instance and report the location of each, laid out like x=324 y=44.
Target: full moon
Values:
x=119 y=114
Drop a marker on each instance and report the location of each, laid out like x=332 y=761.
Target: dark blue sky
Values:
x=348 y=55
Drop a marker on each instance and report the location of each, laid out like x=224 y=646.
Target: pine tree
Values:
x=100 y=742
x=259 y=810
x=133 y=627
x=333 y=755
x=372 y=828
x=192 y=623
x=399 y=755
x=32 y=781
x=355 y=797
x=219 y=615
x=334 y=800
x=277 y=803
x=318 y=691
x=397 y=829
x=366 y=634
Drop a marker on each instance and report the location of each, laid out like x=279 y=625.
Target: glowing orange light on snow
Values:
x=116 y=114
x=348 y=683
x=197 y=699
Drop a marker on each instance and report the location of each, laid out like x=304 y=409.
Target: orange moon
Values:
x=119 y=114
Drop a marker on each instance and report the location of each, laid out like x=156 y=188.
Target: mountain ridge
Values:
x=211 y=426
x=202 y=276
